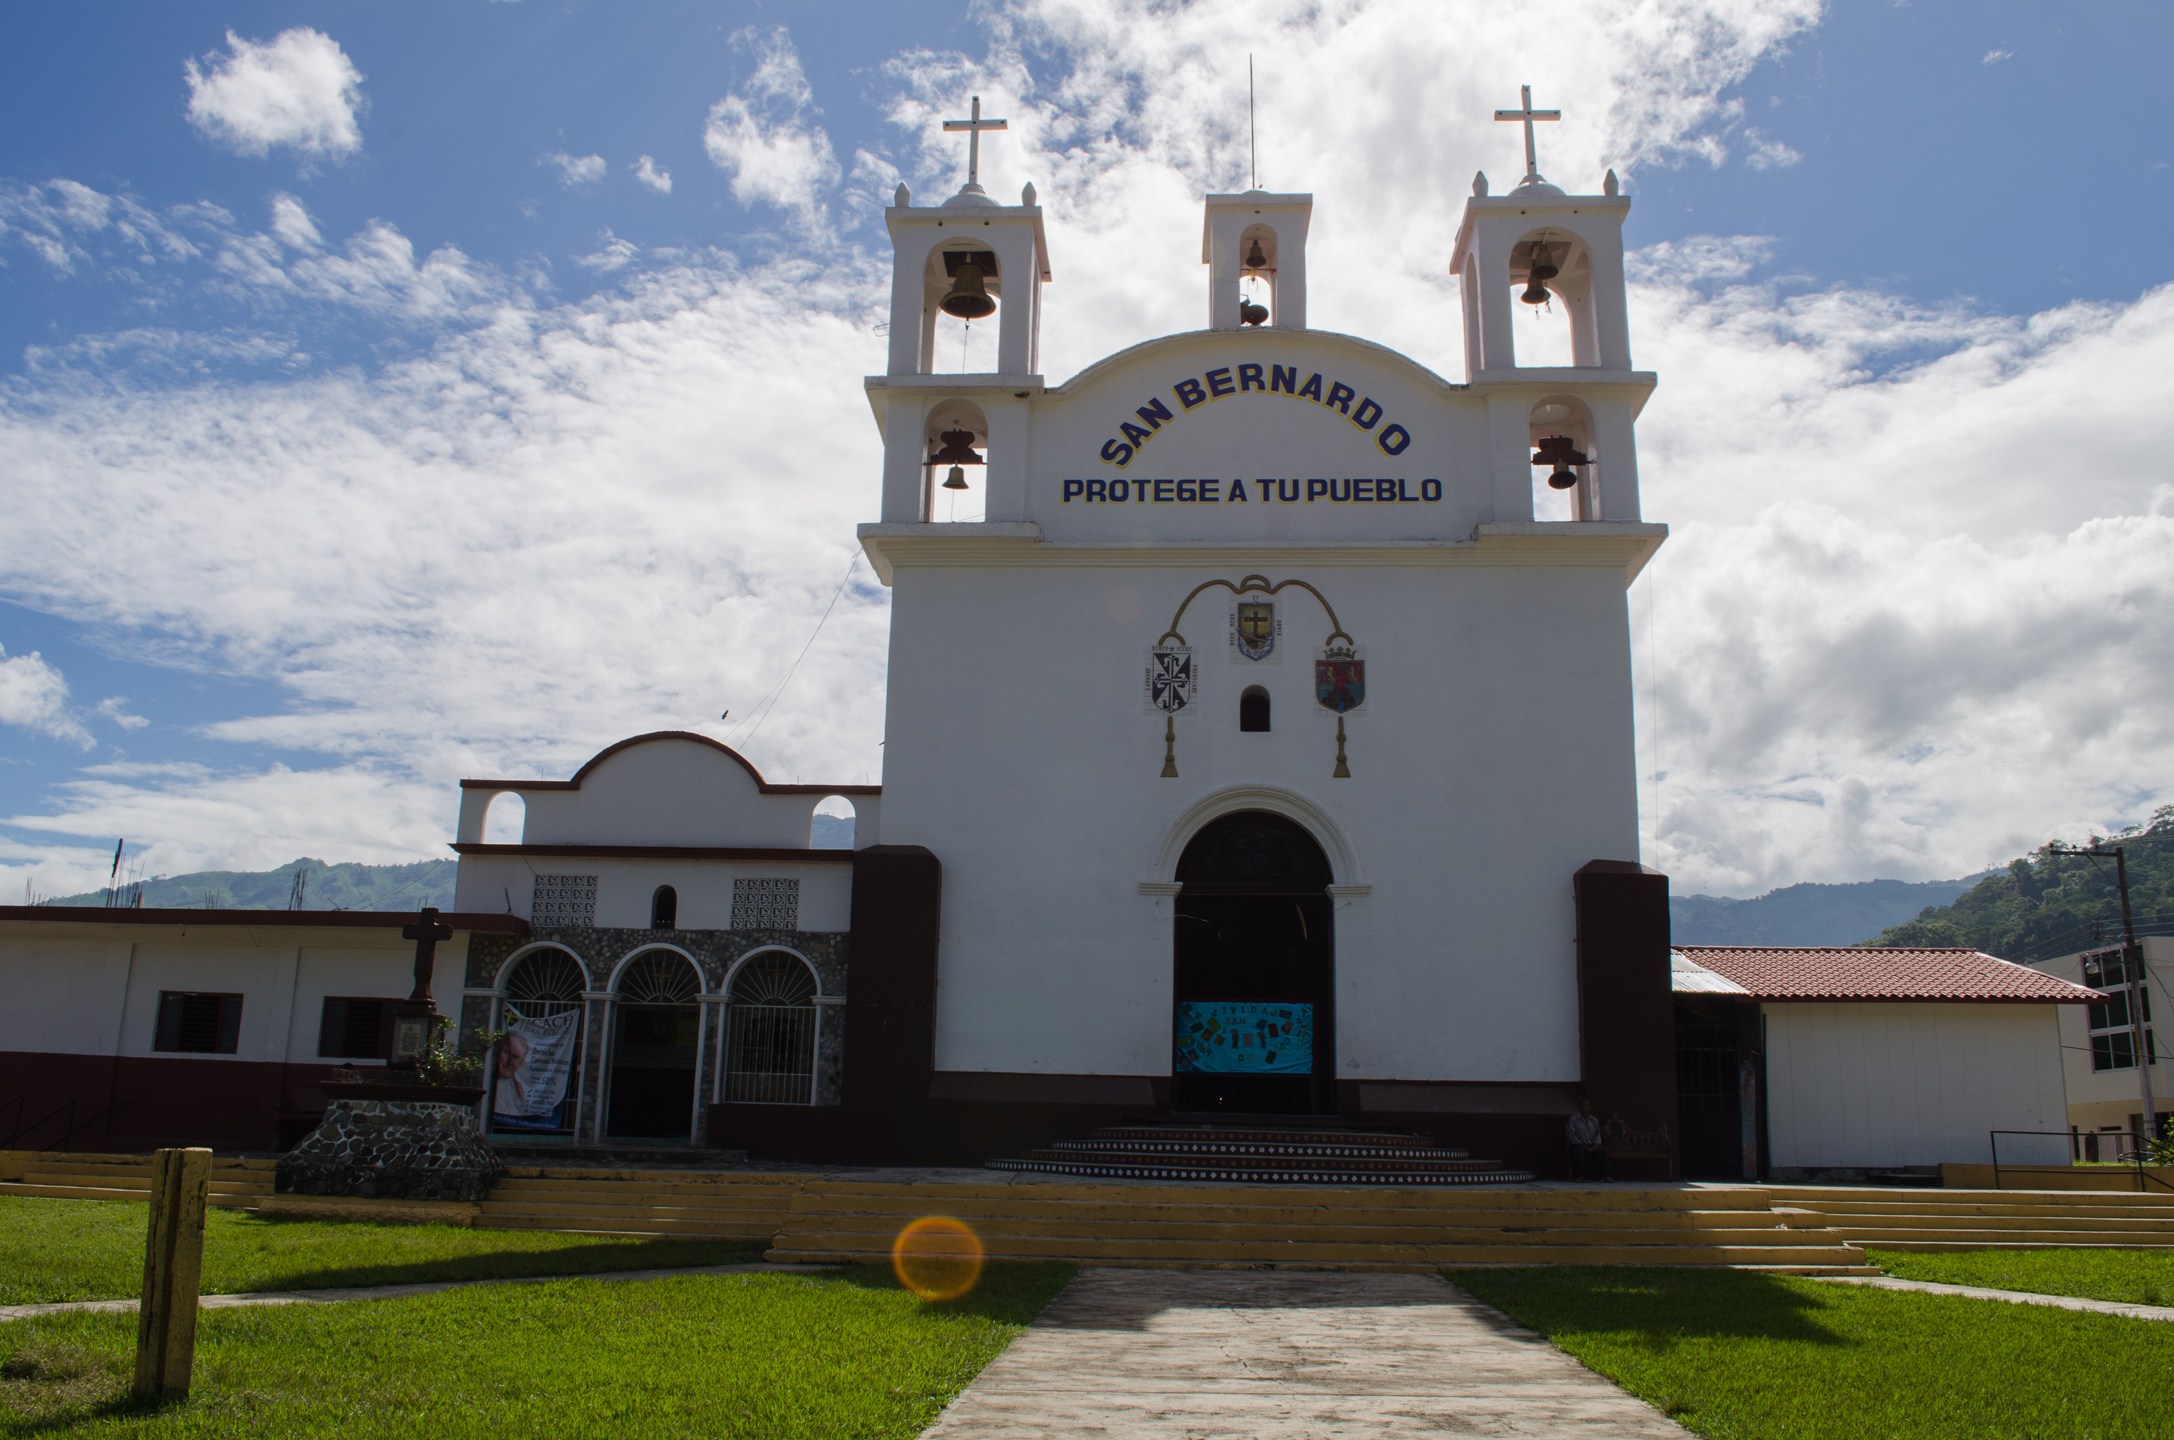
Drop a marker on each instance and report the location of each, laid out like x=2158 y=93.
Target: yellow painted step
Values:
x=811 y=1249
x=221 y=1199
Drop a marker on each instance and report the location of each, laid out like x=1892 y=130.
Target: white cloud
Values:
x=574 y=169
x=292 y=224
x=115 y=708
x=613 y=254
x=34 y=695
x=1994 y=57
x=655 y=176
x=1769 y=154
x=298 y=91
x=764 y=137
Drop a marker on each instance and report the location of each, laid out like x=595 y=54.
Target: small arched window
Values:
x=664 y=909
x=1253 y=709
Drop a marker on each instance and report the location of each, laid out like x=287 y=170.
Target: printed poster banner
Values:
x=1244 y=1037
x=534 y=1061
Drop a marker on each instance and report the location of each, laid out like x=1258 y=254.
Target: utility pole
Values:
x=2132 y=964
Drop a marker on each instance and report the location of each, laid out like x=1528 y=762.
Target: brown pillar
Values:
x=890 y=1002
x=1626 y=1015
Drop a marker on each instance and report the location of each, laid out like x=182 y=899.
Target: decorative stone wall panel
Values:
x=392 y=1149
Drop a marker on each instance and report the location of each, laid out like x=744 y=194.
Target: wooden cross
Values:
x=973 y=129
x=1528 y=115
x=426 y=932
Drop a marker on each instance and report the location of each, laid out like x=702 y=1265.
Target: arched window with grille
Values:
x=543 y=1003
x=770 y=1035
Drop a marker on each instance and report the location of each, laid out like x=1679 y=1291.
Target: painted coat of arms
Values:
x=1254 y=629
x=1171 y=680
x=1339 y=679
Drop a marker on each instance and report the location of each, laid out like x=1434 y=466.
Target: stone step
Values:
x=1269 y=1171
x=117 y=1179
x=221 y=1199
x=771 y=1215
x=575 y=1223
x=831 y=1248
x=1121 y=1232
x=1896 y=1238
x=807 y=1207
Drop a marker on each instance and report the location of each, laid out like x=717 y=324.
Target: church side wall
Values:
x=1494 y=758
x=1870 y=1085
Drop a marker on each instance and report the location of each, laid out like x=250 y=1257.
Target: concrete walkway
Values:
x=2015 y=1297
x=1285 y=1355
x=399 y=1292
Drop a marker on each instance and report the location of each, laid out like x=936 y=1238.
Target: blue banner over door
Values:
x=1244 y=1037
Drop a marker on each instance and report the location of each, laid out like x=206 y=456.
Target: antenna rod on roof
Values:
x=1253 y=129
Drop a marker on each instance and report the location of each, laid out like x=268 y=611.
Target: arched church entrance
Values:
x=655 y=1041
x=1254 y=970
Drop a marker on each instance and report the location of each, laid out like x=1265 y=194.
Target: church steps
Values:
x=1932 y=1220
x=234 y=1183
x=839 y=1249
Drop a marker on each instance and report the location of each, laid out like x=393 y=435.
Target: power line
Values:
x=760 y=714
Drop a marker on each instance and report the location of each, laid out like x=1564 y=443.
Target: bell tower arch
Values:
x=1261 y=238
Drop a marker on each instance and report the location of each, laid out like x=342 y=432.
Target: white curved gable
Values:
x=668 y=791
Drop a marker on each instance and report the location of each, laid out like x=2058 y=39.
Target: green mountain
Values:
x=1806 y=914
x=324 y=887
x=2045 y=905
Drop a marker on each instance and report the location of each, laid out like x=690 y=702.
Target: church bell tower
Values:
x=975 y=261
x=1559 y=253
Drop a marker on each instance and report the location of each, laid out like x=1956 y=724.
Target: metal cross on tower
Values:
x=974 y=127
x=1528 y=115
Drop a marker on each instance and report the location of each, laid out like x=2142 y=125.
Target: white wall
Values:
x=64 y=995
x=625 y=887
x=668 y=792
x=1495 y=760
x=1861 y=1085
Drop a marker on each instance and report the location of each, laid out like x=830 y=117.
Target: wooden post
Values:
x=173 y=1272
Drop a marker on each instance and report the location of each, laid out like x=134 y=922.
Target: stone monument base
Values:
x=393 y=1150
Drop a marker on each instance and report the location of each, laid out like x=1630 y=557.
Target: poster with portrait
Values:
x=534 y=1061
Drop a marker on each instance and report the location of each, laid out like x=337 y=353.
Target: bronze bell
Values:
x=1543 y=270
x=1556 y=450
x=1256 y=258
x=968 y=297
x=1252 y=314
x=958 y=450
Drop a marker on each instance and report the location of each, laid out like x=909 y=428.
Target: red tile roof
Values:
x=1897 y=974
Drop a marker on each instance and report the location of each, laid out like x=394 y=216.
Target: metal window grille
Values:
x=659 y=977
x=770 y=1033
x=548 y=983
x=767 y=904
x=563 y=900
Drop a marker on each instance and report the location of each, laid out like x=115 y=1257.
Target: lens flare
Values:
x=937 y=1258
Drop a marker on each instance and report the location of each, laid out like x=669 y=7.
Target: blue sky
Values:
x=341 y=454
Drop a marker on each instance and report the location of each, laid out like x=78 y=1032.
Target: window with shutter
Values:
x=193 y=1023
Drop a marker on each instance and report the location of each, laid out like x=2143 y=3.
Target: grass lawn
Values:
x=844 y=1354
x=1735 y=1354
x=2132 y=1277
x=93 y=1250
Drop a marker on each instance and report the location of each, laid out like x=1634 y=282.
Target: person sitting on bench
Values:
x=1588 y=1148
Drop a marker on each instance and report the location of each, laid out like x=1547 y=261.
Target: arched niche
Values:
x=656 y=1046
x=1253 y=708
x=1571 y=418
x=950 y=345
x=972 y=502
x=664 y=908
x=831 y=824
x=541 y=1010
x=1561 y=331
x=505 y=818
x=1257 y=281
